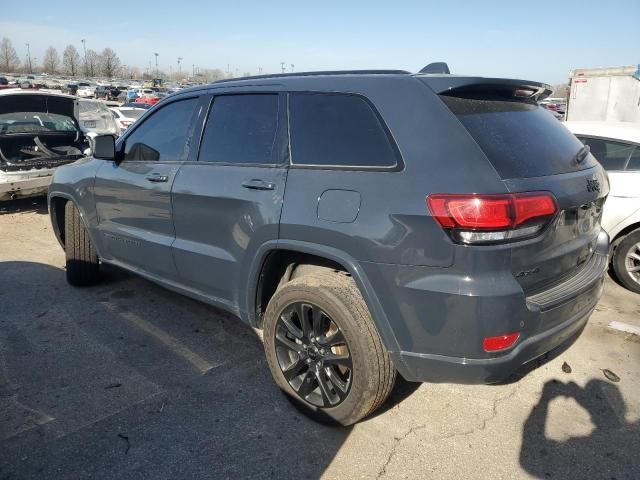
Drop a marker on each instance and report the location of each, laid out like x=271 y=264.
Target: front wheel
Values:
x=323 y=349
x=626 y=261
x=81 y=257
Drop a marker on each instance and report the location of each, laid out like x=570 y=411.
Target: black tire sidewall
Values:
x=619 y=259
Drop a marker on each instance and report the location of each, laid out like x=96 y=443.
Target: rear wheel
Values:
x=323 y=349
x=81 y=256
x=626 y=261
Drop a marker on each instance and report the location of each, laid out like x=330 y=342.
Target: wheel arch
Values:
x=56 y=203
x=261 y=276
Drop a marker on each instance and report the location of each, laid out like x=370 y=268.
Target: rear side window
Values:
x=520 y=139
x=241 y=129
x=611 y=154
x=338 y=130
x=163 y=135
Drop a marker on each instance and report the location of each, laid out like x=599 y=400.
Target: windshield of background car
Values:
x=35 y=122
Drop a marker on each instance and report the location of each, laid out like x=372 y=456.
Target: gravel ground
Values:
x=128 y=380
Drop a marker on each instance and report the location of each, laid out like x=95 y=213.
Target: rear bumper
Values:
x=24 y=184
x=439 y=368
x=440 y=319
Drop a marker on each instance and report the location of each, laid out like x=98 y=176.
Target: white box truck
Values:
x=604 y=94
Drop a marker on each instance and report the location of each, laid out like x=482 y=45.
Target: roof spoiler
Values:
x=436 y=67
x=453 y=85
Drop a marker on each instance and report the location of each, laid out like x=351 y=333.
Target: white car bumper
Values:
x=24 y=184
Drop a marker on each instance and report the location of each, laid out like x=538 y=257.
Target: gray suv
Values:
x=374 y=223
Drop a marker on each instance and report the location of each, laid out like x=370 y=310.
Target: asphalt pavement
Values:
x=128 y=380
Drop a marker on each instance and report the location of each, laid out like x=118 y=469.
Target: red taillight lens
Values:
x=502 y=342
x=520 y=214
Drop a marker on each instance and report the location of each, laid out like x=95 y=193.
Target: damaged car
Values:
x=38 y=132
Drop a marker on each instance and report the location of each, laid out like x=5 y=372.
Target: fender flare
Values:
x=347 y=261
x=83 y=219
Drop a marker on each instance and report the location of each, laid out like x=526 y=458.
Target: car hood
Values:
x=39 y=102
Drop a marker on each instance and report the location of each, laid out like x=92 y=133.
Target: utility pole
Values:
x=260 y=70
x=35 y=61
x=292 y=67
x=193 y=70
x=156 y=54
x=29 y=58
x=282 y=66
x=179 y=68
x=84 y=47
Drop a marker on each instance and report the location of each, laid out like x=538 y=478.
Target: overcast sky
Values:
x=540 y=40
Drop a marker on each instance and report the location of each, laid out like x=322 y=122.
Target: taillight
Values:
x=492 y=218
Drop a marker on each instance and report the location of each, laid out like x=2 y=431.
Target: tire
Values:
x=372 y=375
x=624 y=258
x=81 y=256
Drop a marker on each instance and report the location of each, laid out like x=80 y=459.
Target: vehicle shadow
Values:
x=129 y=380
x=24 y=205
x=610 y=451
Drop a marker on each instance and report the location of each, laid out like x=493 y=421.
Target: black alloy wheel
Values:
x=313 y=355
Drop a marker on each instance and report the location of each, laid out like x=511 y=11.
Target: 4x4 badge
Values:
x=593 y=185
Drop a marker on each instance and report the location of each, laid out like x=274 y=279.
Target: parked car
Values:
x=442 y=227
x=125 y=117
x=38 y=133
x=85 y=92
x=97 y=119
x=144 y=106
x=69 y=88
x=102 y=91
x=616 y=145
x=148 y=100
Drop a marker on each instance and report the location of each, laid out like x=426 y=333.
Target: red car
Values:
x=149 y=100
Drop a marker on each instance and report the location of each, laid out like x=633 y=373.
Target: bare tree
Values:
x=91 y=67
x=134 y=72
x=51 y=60
x=71 y=60
x=109 y=63
x=9 y=61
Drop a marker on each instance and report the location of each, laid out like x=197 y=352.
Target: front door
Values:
x=133 y=195
x=227 y=203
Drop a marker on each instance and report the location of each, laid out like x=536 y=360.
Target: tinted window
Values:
x=634 y=161
x=241 y=129
x=163 y=135
x=612 y=155
x=520 y=139
x=337 y=130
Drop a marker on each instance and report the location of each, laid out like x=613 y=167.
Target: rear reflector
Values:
x=492 y=218
x=495 y=344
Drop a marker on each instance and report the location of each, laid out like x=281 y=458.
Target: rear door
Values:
x=532 y=151
x=227 y=200
x=133 y=196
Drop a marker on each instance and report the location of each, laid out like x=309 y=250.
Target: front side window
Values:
x=611 y=154
x=163 y=135
x=338 y=130
x=241 y=129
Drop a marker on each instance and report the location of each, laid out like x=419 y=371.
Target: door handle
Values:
x=157 y=178
x=257 y=184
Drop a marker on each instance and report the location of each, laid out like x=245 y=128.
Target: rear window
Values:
x=338 y=130
x=520 y=139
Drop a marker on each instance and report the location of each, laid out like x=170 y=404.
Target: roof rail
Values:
x=310 y=74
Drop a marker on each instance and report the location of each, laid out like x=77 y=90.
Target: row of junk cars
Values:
x=43 y=128
x=46 y=122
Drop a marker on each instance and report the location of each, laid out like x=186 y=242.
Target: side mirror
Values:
x=104 y=147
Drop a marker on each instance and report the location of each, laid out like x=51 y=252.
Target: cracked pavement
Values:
x=128 y=380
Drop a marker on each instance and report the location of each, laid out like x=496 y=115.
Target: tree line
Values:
x=105 y=63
